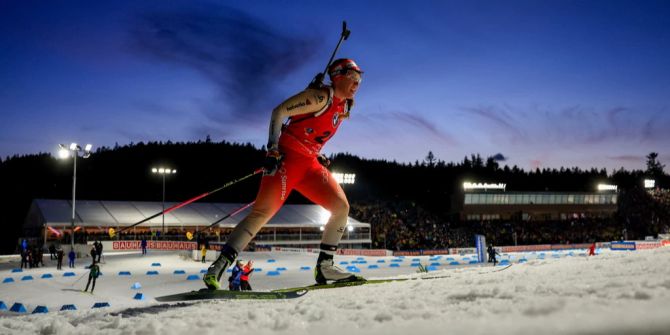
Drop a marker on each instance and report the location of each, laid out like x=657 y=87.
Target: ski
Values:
x=353 y=283
x=205 y=294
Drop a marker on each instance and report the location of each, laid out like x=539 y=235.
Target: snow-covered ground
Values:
x=611 y=293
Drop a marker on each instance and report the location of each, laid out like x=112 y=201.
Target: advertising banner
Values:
x=625 y=245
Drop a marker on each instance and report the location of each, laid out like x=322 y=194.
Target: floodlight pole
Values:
x=163 y=229
x=74 y=192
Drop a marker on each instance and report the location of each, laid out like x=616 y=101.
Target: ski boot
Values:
x=326 y=270
x=217 y=269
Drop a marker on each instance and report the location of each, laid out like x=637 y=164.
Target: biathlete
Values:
x=294 y=162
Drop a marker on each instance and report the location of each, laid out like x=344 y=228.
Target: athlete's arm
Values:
x=305 y=102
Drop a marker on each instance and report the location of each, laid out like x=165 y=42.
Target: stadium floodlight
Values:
x=63 y=153
x=649 y=183
x=607 y=187
x=350 y=228
x=163 y=171
x=467 y=186
x=344 y=178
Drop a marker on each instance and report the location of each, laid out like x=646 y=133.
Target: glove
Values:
x=273 y=160
x=323 y=160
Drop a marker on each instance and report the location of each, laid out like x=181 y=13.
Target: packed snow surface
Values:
x=610 y=293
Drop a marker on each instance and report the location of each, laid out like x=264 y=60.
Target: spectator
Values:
x=59 y=257
x=98 y=250
x=234 y=279
x=203 y=252
x=143 y=245
x=244 y=277
x=71 y=256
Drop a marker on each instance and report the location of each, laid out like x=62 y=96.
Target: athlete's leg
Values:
x=320 y=187
x=272 y=193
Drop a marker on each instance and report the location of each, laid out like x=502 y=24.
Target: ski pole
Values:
x=228 y=215
x=318 y=79
x=182 y=204
x=76 y=281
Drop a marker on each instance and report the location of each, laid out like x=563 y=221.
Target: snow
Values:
x=615 y=292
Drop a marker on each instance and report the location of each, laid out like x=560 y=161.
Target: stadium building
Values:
x=493 y=202
x=293 y=225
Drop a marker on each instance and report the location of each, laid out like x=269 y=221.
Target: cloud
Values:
x=423 y=124
x=245 y=58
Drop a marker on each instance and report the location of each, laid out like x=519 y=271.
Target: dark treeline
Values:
x=124 y=173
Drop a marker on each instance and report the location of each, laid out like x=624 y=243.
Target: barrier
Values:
x=69 y=274
x=273 y=273
x=18 y=308
x=136 y=286
x=155 y=264
x=17 y=270
x=40 y=309
x=193 y=277
x=435 y=264
x=449 y=259
x=8 y=280
x=152 y=273
x=305 y=268
x=139 y=296
x=474 y=261
x=68 y=308
x=179 y=272
x=47 y=276
x=24 y=278
x=124 y=273
x=373 y=266
x=100 y=304
x=394 y=265
x=454 y=263
x=414 y=265
x=353 y=269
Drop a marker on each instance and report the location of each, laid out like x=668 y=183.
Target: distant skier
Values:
x=592 y=249
x=492 y=254
x=93 y=275
x=71 y=256
x=244 y=277
x=203 y=252
x=294 y=162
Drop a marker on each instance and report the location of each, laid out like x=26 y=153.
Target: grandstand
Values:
x=294 y=225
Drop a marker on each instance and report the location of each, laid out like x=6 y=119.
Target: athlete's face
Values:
x=346 y=85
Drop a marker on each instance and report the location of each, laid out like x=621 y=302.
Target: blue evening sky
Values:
x=544 y=83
